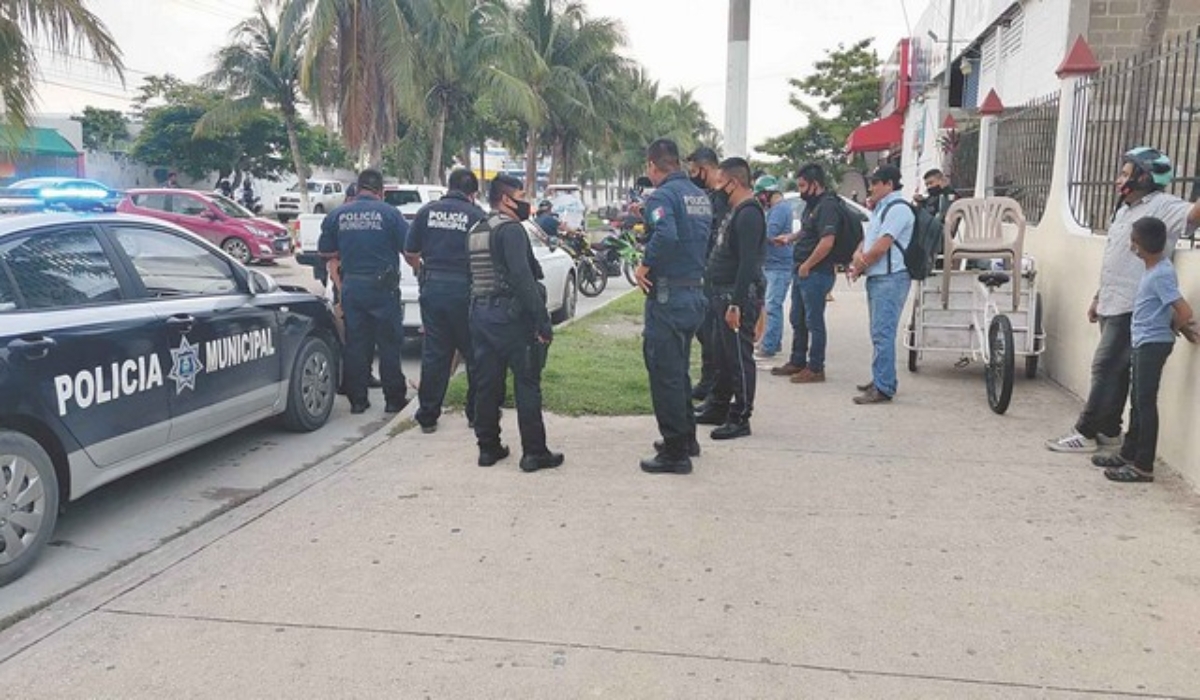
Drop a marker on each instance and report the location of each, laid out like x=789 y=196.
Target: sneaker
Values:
x=1108 y=440
x=807 y=376
x=786 y=370
x=1073 y=441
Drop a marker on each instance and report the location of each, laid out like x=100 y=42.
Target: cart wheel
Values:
x=999 y=370
x=1031 y=361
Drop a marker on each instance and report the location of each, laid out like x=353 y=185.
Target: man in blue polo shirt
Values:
x=881 y=261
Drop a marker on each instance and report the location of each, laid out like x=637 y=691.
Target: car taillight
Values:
x=294 y=231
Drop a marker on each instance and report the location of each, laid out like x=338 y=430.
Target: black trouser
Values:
x=709 y=340
x=445 y=316
x=1110 y=379
x=1141 y=440
x=374 y=318
x=737 y=377
x=671 y=318
x=502 y=343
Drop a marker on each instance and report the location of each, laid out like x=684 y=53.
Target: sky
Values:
x=680 y=42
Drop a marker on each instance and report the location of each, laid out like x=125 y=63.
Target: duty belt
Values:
x=445 y=275
x=680 y=282
x=491 y=299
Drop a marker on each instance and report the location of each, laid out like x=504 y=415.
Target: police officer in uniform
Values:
x=678 y=216
x=367 y=236
x=510 y=327
x=437 y=251
x=734 y=269
x=703 y=166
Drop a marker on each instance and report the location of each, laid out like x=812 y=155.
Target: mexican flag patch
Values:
x=657 y=215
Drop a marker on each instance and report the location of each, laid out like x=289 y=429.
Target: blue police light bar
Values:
x=82 y=193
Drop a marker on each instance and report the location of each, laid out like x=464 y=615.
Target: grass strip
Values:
x=594 y=367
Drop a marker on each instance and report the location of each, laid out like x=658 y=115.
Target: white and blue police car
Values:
x=126 y=340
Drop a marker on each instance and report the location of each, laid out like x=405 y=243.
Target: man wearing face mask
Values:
x=939 y=194
x=436 y=250
x=733 y=279
x=777 y=262
x=702 y=170
x=678 y=217
x=814 y=276
x=510 y=327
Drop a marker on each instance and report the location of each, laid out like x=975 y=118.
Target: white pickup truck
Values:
x=323 y=195
x=559 y=268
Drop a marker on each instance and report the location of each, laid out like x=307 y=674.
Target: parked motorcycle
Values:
x=590 y=272
x=621 y=251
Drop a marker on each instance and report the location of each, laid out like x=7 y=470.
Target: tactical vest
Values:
x=487 y=279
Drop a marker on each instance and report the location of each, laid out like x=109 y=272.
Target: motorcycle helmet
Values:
x=1152 y=162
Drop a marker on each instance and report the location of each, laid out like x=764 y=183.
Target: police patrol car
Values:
x=125 y=340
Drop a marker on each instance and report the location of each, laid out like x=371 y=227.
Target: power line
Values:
x=60 y=54
x=87 y=90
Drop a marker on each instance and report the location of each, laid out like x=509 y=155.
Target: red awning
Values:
x=880 y=135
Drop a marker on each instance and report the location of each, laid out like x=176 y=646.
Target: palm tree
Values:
x=467 y=56
x=260 y=66
x=559 y=37
x=67 y=27
x=356 y=61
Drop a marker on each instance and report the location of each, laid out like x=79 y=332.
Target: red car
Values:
x=221 y=221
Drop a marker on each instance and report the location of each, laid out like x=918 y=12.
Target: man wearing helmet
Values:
x=1145 y=172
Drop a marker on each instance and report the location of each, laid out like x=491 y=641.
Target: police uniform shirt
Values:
x=439 y=233
x=678 y=218
x=367 y=234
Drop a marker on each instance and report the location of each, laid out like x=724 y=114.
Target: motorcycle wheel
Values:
x=627 y=268
x=592 y=277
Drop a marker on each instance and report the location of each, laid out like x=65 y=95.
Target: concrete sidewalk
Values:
x=922 y=549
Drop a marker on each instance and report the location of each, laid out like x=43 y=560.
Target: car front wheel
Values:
x=28 y=503
x=312 y=388
x=237 y=249
x=569 y=300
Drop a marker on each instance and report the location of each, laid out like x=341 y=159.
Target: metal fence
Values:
x=1150 y=99
x=1025 y=144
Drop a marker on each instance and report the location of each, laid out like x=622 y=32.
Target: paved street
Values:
x=136 y=514
x=922 y=549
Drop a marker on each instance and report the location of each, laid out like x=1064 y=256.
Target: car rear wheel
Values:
x=28 y=503
x=319 y=209
x=313 y=386
x=237 y=249
x=569 y=300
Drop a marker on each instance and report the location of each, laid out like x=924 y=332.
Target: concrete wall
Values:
x=1115 y=26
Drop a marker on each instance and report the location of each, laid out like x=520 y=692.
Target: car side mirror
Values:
x=261 y=283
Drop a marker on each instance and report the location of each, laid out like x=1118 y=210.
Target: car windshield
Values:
x=33 y=183
x=231 y=208
x=312 y=187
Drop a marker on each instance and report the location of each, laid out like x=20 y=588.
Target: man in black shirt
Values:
x=814 y=276
x=510 y=327
x=734 y=269
x=437 y=251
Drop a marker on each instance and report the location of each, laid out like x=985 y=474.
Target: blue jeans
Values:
x=886 y=295
x=778 y=283
x=808 y=319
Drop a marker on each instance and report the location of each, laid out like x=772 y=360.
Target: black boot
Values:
x=488 y=456
x=547 y=460
x=731 y=430
x=664 y=463
x=712 y=414
x=693 y=447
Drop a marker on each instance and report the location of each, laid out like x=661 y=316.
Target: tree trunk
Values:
x=439 y=137
x=558 y=161
x=464 y=156
x=482 y=160
x=531 y=164
x=1137 y=105
x=289 y=122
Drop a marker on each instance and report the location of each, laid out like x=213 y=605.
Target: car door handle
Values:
x=181 y=322
x=33 y=348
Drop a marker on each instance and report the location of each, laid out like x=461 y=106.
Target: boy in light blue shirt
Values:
x=1159 y=312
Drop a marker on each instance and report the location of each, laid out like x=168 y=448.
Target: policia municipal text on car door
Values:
x=124 y=341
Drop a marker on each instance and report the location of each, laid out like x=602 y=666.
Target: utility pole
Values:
x=737 y=79
x=945 y=100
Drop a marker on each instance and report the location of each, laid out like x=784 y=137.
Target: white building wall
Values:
x=1017 y=61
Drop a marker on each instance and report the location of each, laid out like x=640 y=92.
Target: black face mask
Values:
x=935 y=191
x=809 y=196
x=698 y=181
x=521 y=208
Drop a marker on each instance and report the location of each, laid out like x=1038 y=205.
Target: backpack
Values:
x=849 y=234
x=926 y=243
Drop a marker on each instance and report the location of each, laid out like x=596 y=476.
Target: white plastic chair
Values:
x=991 y=227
